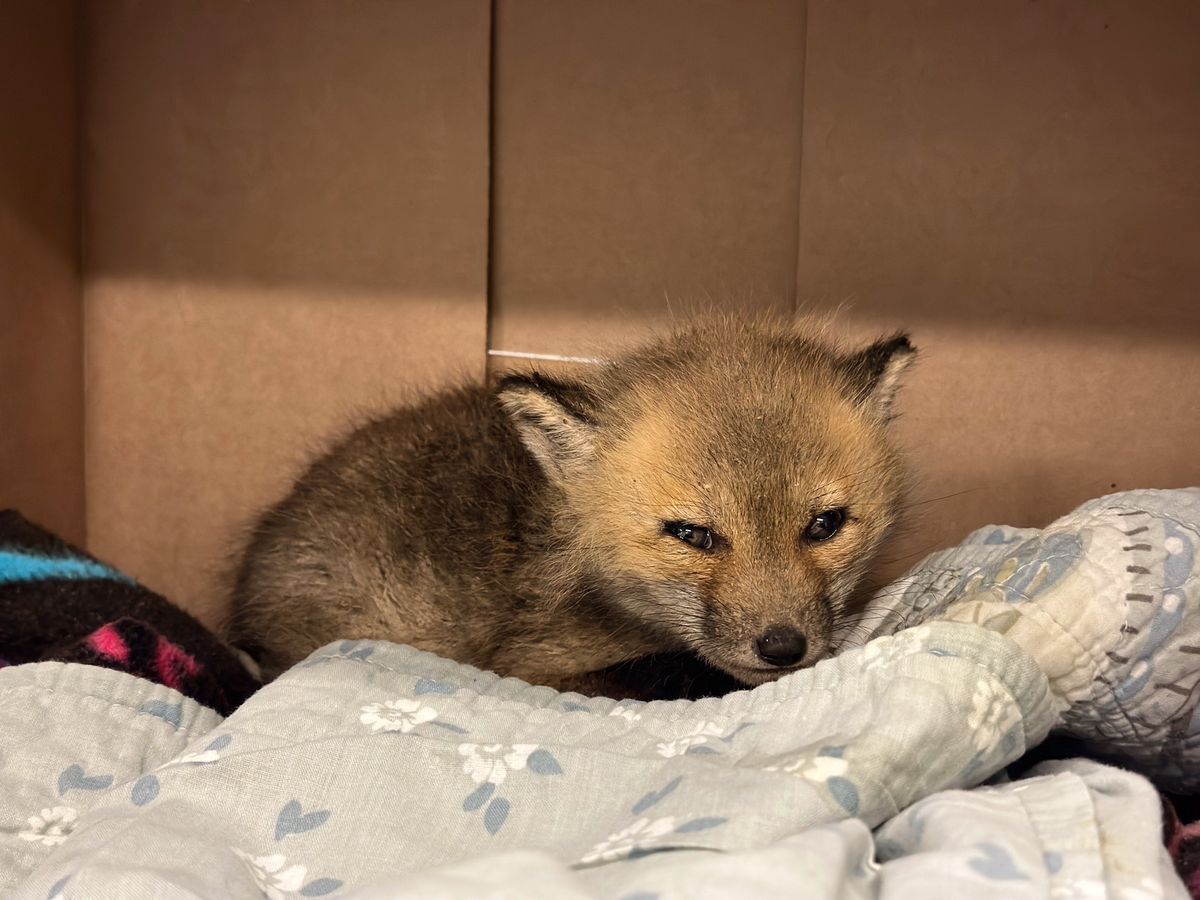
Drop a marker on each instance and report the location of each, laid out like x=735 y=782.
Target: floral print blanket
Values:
x=373 y=770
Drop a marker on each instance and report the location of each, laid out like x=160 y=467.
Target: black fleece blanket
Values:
x=59 y=603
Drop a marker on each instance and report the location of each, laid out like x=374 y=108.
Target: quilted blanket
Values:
x=375 y=770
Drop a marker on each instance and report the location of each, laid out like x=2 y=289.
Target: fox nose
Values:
x=780 y=645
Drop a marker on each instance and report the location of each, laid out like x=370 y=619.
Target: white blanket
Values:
x=374 y=770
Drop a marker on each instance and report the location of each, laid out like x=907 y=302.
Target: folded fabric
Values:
x=373 y=770
x=372 y=760
x=376 y=770
x=1106 y=600
x=59 y=603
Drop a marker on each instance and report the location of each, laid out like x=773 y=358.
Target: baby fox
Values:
x=719 y=491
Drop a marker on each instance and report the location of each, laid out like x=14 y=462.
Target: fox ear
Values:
x=553 y=420
x=874 y=373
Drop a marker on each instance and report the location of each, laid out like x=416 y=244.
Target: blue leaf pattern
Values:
x=171 y=713
x=220 y=743
x=654 y=796
x=293 y=820
x=478 y=797
x=497 y=812
x=844 y=792
x=700 y=824
x=540 y=762
x=429 y=686
x=73 y=778
x=996 y=864
x=320 y=887
x=145 y=789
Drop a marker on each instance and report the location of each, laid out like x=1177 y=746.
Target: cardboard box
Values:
x=226 y=230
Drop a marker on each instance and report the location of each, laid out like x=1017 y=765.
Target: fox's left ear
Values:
x=874 y=373
x=554 y=421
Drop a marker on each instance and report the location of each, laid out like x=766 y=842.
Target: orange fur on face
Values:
x=751 y=440
x=536 y=528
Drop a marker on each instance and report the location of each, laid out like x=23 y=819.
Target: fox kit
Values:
x=719 y=491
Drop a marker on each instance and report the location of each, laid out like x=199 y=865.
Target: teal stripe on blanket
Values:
x=16 y=566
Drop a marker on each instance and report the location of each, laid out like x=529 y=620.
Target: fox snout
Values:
x=786 y=644
x=781 y=646
x=758 y=634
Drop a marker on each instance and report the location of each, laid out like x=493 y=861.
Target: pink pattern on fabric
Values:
x=108 y=642
x=174 y=664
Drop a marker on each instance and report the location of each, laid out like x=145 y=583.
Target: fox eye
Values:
x=825 y=525
x=694 y=535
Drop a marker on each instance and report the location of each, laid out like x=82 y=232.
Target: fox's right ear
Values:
x=554 y=421
x=874 y=373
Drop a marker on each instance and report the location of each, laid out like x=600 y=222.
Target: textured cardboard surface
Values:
x=1033 y=165
x=287 y=212
x=647 y=160
x=205 y=402
x=1002 y=425
x=41 y=348
x=1020 y=187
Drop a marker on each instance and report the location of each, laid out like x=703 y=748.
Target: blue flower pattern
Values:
x=489 y=766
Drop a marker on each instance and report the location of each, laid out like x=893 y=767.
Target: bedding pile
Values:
x=59 y=603
x=375 y=770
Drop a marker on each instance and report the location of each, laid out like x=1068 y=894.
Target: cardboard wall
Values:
x=286 y=209
x=1018 y=185
x=646 y=165
x=41 y=346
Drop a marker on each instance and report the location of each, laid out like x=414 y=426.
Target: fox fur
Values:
x=533 y=527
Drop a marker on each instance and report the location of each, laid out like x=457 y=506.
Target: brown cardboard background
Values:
x=41 y=345
x=286 y=208
x=1018 y=185
x=1033 y=165
x=646 y=163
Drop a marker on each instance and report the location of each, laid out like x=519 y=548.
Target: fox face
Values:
x=727 y=487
